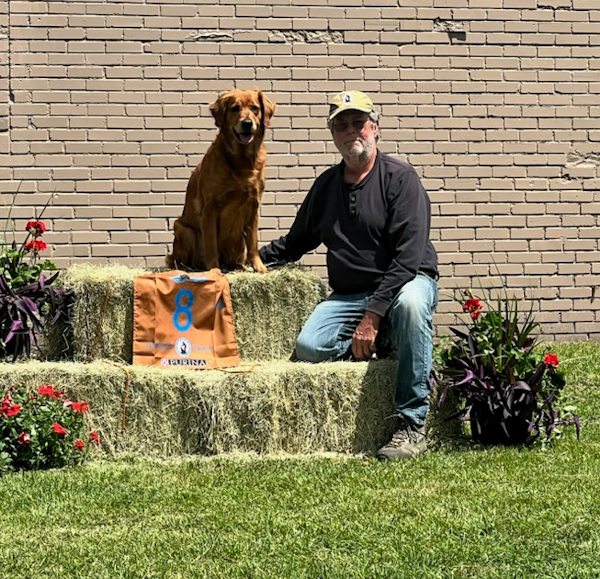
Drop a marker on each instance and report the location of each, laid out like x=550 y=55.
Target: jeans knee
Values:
x=411 y=310
x=308 y=351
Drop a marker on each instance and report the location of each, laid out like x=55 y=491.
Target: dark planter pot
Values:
x=491 y=428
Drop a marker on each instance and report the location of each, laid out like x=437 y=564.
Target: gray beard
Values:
x=362 y=158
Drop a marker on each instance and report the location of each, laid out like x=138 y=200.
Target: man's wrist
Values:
x=372 y=317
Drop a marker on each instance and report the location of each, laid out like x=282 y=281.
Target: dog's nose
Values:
x=247 y=124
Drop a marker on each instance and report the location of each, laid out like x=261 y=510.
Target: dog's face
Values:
x=245 y=113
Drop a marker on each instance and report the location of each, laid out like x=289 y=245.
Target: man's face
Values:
x=355 y=136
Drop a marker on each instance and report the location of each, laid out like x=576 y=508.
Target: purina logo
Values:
x=179 y=362
x=183 y=347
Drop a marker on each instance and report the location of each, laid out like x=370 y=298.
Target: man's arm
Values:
x=408 y=225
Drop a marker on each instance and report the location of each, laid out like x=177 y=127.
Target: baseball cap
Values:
x=350 y=100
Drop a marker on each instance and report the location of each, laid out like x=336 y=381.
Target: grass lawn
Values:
x=459 y=511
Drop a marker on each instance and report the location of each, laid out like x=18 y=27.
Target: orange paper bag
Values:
x=184 y=319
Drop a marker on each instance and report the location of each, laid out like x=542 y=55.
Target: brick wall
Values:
x=495 y=102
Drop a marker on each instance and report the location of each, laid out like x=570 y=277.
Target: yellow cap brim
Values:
x=349 y=107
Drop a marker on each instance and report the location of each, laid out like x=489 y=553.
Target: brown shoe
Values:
x=408 y=441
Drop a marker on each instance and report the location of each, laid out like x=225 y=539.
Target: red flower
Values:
x=474 y=307
x=13 y=410
x=80 y=407
x=6 y=404
x=36 y=228
x=94 y=436
x=551 y=360
x=35 y=245
x=24 y=438
x=47 y=390
x=8 y=407
x=58 y=429
x=79 y=445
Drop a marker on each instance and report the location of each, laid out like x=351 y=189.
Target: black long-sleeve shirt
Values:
x=376 y=231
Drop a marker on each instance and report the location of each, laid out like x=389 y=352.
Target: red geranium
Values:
x=42 y=428
x=24 y=438
x=58 y=429
x=7 y=402
x=36 y=228
x=80 y=407
x=9 y=407
x=48 y=390
x=474 y=307
x=13 y=410
x=35 y=245
x=94 y=436
x=551 y=360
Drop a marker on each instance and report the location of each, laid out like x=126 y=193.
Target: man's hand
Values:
x=363 y=339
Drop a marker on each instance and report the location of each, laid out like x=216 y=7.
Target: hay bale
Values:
x=303 y=408
x=269 y=310
x=279 y=407
x=102 y=318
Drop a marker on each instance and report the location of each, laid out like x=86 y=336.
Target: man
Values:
x=373 y=215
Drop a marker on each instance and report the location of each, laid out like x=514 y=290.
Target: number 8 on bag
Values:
x=183 y=310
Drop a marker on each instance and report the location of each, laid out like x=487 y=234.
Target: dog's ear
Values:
x=219 y=109
x=267 y=108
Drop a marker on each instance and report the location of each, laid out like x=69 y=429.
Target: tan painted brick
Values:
x=510 y=114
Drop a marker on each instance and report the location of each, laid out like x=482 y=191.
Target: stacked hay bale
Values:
x=268 y=405
x=269 y=311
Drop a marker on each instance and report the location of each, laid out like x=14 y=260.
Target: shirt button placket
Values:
x=353 y=204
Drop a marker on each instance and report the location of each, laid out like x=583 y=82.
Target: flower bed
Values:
x=41 y=428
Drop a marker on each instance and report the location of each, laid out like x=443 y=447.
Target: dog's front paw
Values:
x=259 y=266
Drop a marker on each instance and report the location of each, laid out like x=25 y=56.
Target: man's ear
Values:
x=219 y=109
x=268 y=108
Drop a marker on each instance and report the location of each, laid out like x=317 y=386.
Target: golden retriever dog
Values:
x=219 y=224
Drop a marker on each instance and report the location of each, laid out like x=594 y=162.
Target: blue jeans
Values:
x=327 y=335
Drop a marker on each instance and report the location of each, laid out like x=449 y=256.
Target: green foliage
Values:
x=40 y=430
x=21 y=267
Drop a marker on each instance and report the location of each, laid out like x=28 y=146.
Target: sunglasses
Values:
x=357 y=125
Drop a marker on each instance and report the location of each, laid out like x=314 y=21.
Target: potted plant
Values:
x=28 y=298
x=504 y=382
